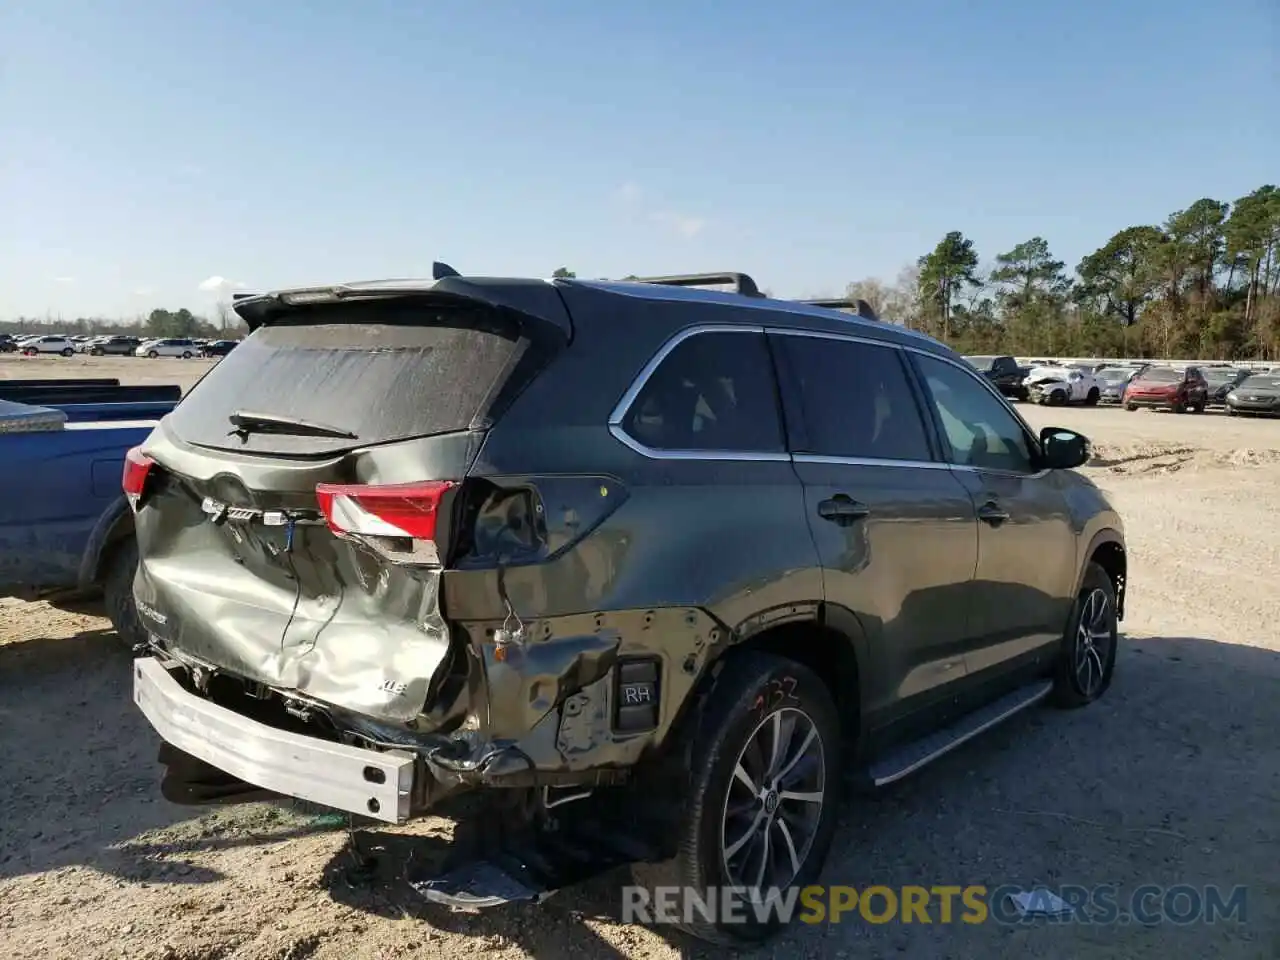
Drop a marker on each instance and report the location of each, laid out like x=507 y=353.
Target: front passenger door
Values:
x=1026 y=544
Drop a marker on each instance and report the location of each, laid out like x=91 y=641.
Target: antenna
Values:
x=440 y=271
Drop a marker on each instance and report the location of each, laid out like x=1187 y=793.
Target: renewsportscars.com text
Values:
x=938 y=904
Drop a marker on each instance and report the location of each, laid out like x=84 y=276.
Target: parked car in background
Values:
x=1221 y=381
x=64 y=346
x=1057 y=386
x=116 y=346
x=1256 y=396
x=1168 y=388
x=172 y=347
x=7 y=344
x=1004 y=372
x=1112 y=381
x=218 y=348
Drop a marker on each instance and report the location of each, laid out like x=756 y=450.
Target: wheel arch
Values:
x=1107 y=550
x=826 y=638
x=114 y=525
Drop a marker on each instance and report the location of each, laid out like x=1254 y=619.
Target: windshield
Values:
x=381 y=371
x=1161 y=375
x=1266 y=382
x=1114 y=375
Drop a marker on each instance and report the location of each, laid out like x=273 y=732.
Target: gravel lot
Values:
x=1173 y=778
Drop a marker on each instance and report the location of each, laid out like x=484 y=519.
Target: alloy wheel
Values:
x=1094 y=636
x=774 y=803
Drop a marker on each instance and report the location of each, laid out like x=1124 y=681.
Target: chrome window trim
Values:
x=623 y=405
x=621 y=408
x=870 y=462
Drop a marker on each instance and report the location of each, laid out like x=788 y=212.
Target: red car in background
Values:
x=1168 y=389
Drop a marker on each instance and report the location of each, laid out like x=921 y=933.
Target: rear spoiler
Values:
x=534 y=299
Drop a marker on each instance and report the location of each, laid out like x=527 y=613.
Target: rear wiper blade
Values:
x=246 y=423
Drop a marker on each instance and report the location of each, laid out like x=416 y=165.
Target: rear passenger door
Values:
x=895 y=530
x=1026 y=544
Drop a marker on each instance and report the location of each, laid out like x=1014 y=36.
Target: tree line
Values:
x=1204 y=284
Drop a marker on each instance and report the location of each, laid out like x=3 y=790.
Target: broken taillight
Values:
x=137 y=467
x=409 y=510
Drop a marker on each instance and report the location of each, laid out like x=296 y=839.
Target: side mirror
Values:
x=1064 y=449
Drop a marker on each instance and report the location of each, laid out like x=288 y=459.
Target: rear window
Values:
x=384 y=371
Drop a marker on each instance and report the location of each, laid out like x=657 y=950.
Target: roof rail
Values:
x=242 y=296
x=858 y=306
x=741 y=283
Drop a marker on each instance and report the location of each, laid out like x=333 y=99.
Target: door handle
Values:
x=842 y=510
x=991 y=513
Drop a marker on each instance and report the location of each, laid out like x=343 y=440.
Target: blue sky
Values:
x=148 y=146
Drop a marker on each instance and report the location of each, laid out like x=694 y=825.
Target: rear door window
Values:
x=856 y=400
x=712 y=392
x=383 y=370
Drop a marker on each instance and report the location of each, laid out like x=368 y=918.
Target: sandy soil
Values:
x=1173 y=778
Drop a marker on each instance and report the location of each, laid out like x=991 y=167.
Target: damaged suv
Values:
x=639 y=571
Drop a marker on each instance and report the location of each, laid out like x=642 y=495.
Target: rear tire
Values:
x=1087 y=658
x=757 y=699
x=1131 y=407
x=186 y=354
x=1197 y=408
x=67 y=352
x=1094 y=396
x=120 y=567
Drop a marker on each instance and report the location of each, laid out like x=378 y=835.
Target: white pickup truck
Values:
x=1057 y=386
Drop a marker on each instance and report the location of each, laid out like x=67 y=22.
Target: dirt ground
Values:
x=1173 y=778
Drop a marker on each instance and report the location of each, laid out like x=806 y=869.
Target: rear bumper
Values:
x=371 y=783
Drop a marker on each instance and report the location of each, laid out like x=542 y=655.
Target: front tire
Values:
x=1087 y=659
x=759 y=807
x=117 y=588
x=67 y=352
x=1094 y=396
x=152 y=354
x=186 y=354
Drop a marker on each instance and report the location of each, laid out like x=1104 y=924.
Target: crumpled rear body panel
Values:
x=305 y=612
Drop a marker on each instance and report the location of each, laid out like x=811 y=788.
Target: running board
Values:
x=910 y=757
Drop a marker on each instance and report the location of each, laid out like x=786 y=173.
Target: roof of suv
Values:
x=542 y=299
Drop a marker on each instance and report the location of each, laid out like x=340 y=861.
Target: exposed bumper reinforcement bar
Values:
x=370 y=783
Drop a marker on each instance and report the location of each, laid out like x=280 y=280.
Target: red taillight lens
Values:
x=137 y=467
x=384 y=510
